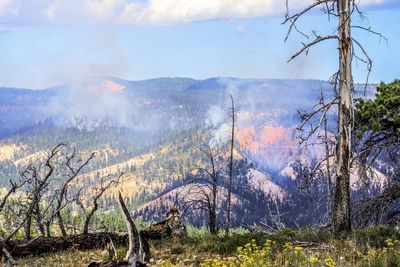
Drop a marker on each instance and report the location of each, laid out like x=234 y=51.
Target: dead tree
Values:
x=314 y=133
x=42 y=201
x=230 y=178
x=380 y=149
x=379 y=208
x=135 y=255
x=203 y=194
x=342 y=10
x=96 y=192
x=55 y=200
x=36 y=179
x=74 y=170
x=135 y=251
x=51 y=205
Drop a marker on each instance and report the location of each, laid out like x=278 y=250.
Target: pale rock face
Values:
x=105 y=86
x=378 y=179
x=9 y=151
x=34 y=157
x=272 y=145
x=264 y=183
x=289 y=172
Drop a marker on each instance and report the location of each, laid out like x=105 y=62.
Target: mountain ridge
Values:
x=167 y=119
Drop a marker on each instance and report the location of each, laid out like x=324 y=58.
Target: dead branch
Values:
x=61 y=196
x=106 y=182
x=197 y=196
x=378 y=206
x=33 y=178
x=307 y=46
x=293 y=19
x=135 y=250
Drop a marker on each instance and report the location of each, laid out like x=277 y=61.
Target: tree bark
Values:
x=28 y=225
x=88 y=217
x=48 y=231
x=212 y=223
x=61 y=224
x=213 y=211
x=341 y=207
x=39 y=221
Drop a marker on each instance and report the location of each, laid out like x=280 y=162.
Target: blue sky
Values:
x=50 y=42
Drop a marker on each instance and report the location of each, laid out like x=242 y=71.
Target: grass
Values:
x=373 y=247
x=71 y=258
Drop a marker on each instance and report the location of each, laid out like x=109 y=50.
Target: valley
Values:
x=152 y=131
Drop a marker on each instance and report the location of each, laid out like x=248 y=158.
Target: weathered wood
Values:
x=40 y=245
x=341 y=207
x=135 y=251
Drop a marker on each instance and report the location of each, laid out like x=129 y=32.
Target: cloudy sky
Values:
x=50 y=42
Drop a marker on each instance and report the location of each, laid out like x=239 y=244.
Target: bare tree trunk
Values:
x=228 y=209
x=212 y=223
x=135 y=250
x=29 y=214
x=210 y=199
x=341 y=207
x=28 y=225
x=61 y=224
x=47 y=226
x=63 y=190
x=328 y=170
x=88 y=217
x=39 y=221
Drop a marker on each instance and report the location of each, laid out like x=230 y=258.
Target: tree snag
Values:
x=341 y=10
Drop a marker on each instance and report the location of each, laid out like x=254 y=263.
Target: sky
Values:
x=45 y=43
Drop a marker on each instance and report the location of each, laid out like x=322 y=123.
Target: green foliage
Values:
x=381 y=113
x=374 y=236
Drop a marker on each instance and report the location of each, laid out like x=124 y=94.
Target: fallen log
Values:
x=40 y=245
x=171 y=226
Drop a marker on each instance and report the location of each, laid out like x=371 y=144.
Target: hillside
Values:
x=151 y=131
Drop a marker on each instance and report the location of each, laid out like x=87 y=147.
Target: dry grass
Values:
x=377 y=246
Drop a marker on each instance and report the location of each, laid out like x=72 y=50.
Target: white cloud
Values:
x=8 y=7
x=180 y=11
x=83 y=10
x=159 y=11
x=163 y=12
x=183 y=11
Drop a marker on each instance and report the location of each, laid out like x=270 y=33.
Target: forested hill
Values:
x=151 y=130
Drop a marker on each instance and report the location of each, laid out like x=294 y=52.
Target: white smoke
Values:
x=216 y=119
x=85 y=108
x=219 y=117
